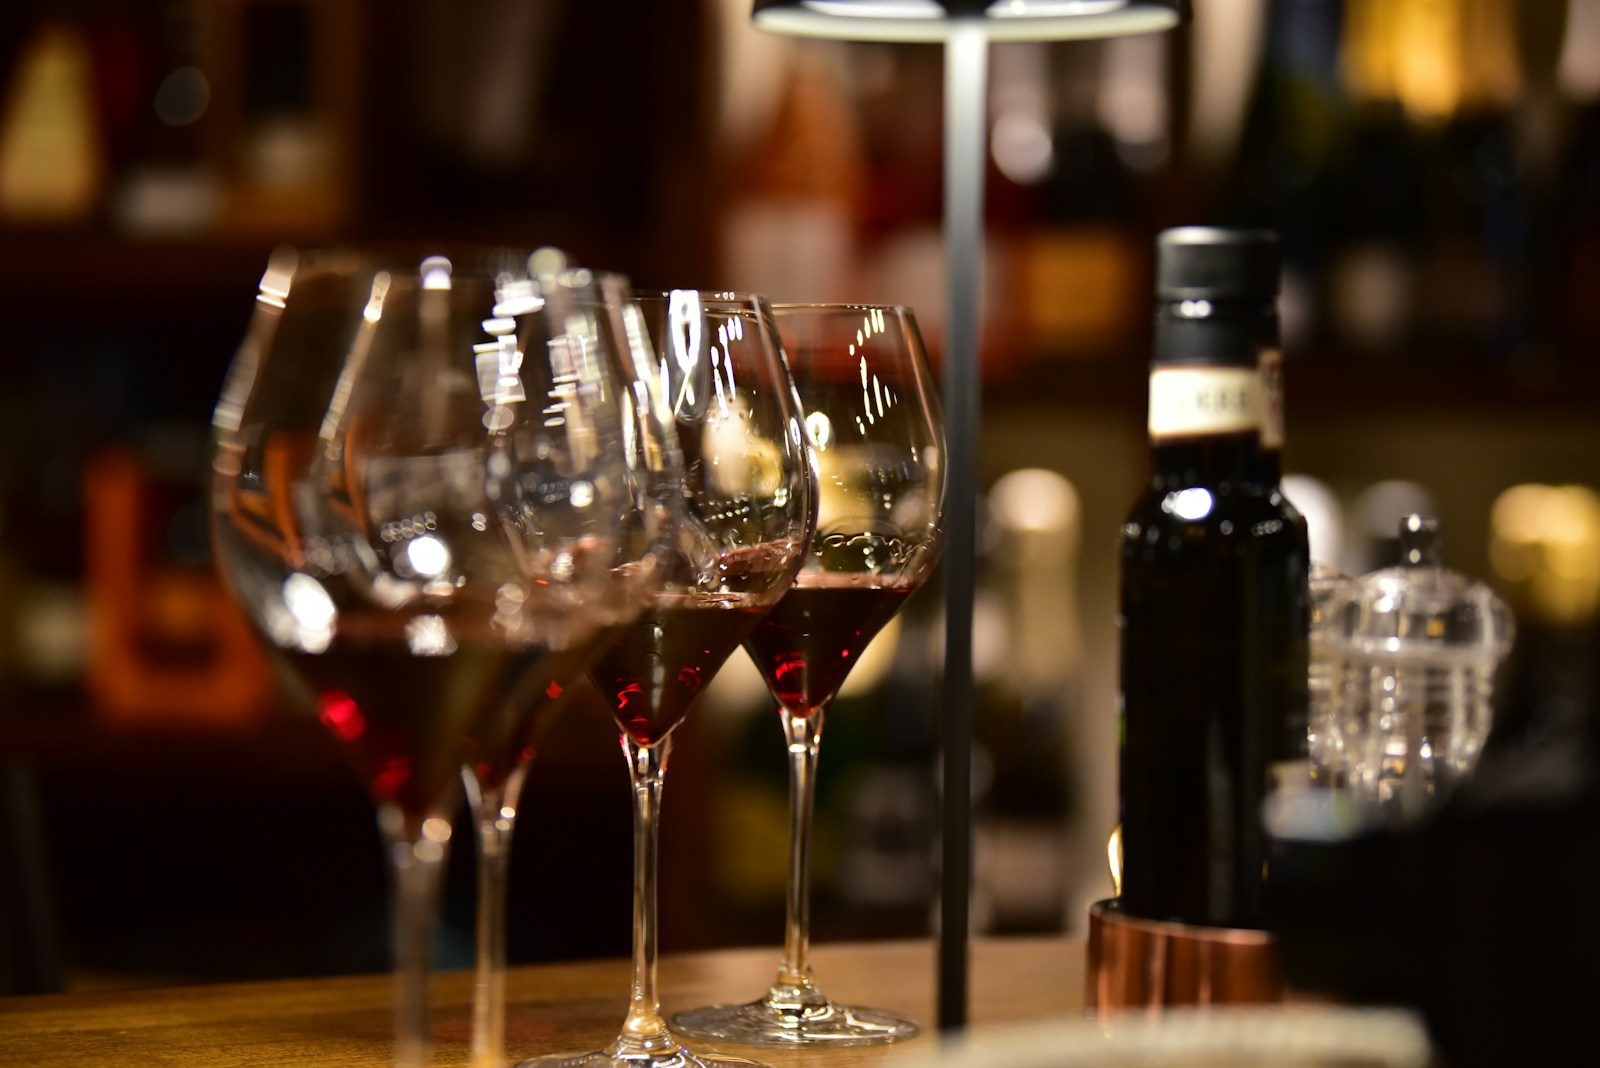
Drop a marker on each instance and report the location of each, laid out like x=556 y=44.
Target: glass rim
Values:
x=707 y=296
x=409 y=280
x=842 y=306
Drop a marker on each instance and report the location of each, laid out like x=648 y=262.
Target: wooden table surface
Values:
x=552 y=1008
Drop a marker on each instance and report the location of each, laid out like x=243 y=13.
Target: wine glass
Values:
x=748 y=491
x=873 y=416
x=369 y=514
x=576 y=316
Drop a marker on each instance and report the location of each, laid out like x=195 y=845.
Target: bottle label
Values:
x=1196 y=401
x=1271 y=368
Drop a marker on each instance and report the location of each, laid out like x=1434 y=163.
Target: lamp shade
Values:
x=933 y=20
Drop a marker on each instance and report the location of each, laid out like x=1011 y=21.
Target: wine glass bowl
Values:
x=873 y=419
x=747 y=499
x=872 y=415
x=357 y=520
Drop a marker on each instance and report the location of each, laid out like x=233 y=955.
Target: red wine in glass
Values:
x=506 y=739
x=662 y=662
x=403 y=715
x=807 y=645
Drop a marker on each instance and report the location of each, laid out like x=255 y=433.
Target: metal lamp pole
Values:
x=965 y=74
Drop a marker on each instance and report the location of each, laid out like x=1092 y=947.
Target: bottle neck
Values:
x=1269 y=466
x=1210 y=460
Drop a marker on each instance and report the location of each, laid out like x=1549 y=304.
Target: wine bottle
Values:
x=1209 y=635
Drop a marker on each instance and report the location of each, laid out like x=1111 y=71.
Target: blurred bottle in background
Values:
x=1545 y=552
x=1077 y=130
x=156 y=95
x=899 y=225
x=1373 y=280
x=1478 y=186
x=52 y=146
x=884 y=804
x=795 y=186
x=1578 y=184
x=1023 y=797
x=1283 y=173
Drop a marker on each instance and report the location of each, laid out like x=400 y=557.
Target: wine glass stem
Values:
x=804 y=735
x=644 y=1031
x=494 y=811
x=417 y=849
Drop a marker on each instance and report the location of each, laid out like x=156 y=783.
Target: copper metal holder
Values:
x=1138 y=964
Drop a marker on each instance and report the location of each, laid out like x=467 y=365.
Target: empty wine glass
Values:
x=369 y=513
x=748 y=494
x=873 y=415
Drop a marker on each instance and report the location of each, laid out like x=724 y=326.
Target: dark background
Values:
x=1434 y=170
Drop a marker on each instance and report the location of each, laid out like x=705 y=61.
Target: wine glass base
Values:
x=679 y=1058
x=765 y=1023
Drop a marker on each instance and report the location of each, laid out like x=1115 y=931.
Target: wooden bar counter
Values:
x=552 y=1008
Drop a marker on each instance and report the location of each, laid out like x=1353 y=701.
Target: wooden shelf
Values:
x=91 y=271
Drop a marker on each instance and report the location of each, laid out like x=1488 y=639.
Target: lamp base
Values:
x=1144 y=965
